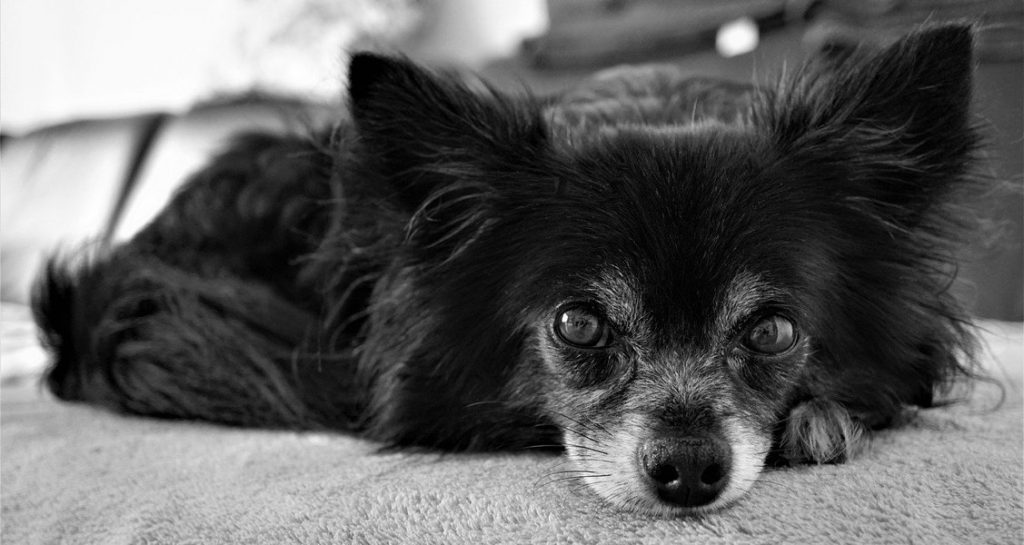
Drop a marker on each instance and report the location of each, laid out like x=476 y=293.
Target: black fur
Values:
x=403 y=275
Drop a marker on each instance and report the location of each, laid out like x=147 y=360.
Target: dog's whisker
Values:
x=549 y=479
x=586 y=448
x=589 y=426
x=543 y=446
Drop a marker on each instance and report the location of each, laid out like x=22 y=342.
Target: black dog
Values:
x=675 y=280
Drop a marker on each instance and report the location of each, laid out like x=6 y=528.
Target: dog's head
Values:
x=679 y=294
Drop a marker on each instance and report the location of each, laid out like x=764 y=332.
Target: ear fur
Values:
x=443 y=150
x=900 y=116
x=884 y=137
x=426 y=130
x=921 y=84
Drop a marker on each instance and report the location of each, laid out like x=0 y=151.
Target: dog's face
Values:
x=679 y=299
x=671 y=323
x=660 y=314
x=667 y=411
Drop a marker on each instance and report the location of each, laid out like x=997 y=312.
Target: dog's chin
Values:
x=609 y=465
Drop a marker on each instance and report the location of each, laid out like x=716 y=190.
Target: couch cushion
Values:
x=185 y=143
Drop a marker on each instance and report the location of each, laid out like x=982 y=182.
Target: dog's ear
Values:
x=884 y=138
x=919 y=87
x=426 y=131
x=899 y=116
x=445 y=151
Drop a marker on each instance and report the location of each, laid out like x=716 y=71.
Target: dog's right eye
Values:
x=582 y=328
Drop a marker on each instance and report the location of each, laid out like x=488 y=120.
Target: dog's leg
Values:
x=820 y=431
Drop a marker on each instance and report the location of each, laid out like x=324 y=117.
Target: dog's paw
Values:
x=820 y=431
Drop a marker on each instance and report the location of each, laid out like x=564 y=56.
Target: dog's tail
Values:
x=134 y=334
x=202 y=315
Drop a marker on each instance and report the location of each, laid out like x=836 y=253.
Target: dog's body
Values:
x=674 y=280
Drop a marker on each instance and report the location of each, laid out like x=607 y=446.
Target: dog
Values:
x=676 y=281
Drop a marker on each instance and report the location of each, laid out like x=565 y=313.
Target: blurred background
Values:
x=105 y=105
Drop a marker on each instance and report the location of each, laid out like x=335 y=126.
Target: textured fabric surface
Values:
x=73 y=474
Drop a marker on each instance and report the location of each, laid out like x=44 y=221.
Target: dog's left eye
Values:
x=771 y=335
x=582 y=328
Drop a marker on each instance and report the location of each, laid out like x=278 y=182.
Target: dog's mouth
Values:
x=667 y=474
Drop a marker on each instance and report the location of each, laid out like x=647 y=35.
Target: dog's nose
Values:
x=687 y=471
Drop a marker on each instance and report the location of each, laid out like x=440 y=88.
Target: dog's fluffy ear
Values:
x=445 y=151
x=919 y=87
x=884 y=137
x=426 y=131
x=899 y=116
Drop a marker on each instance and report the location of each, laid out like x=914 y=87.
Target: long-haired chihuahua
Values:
x=675 y=280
